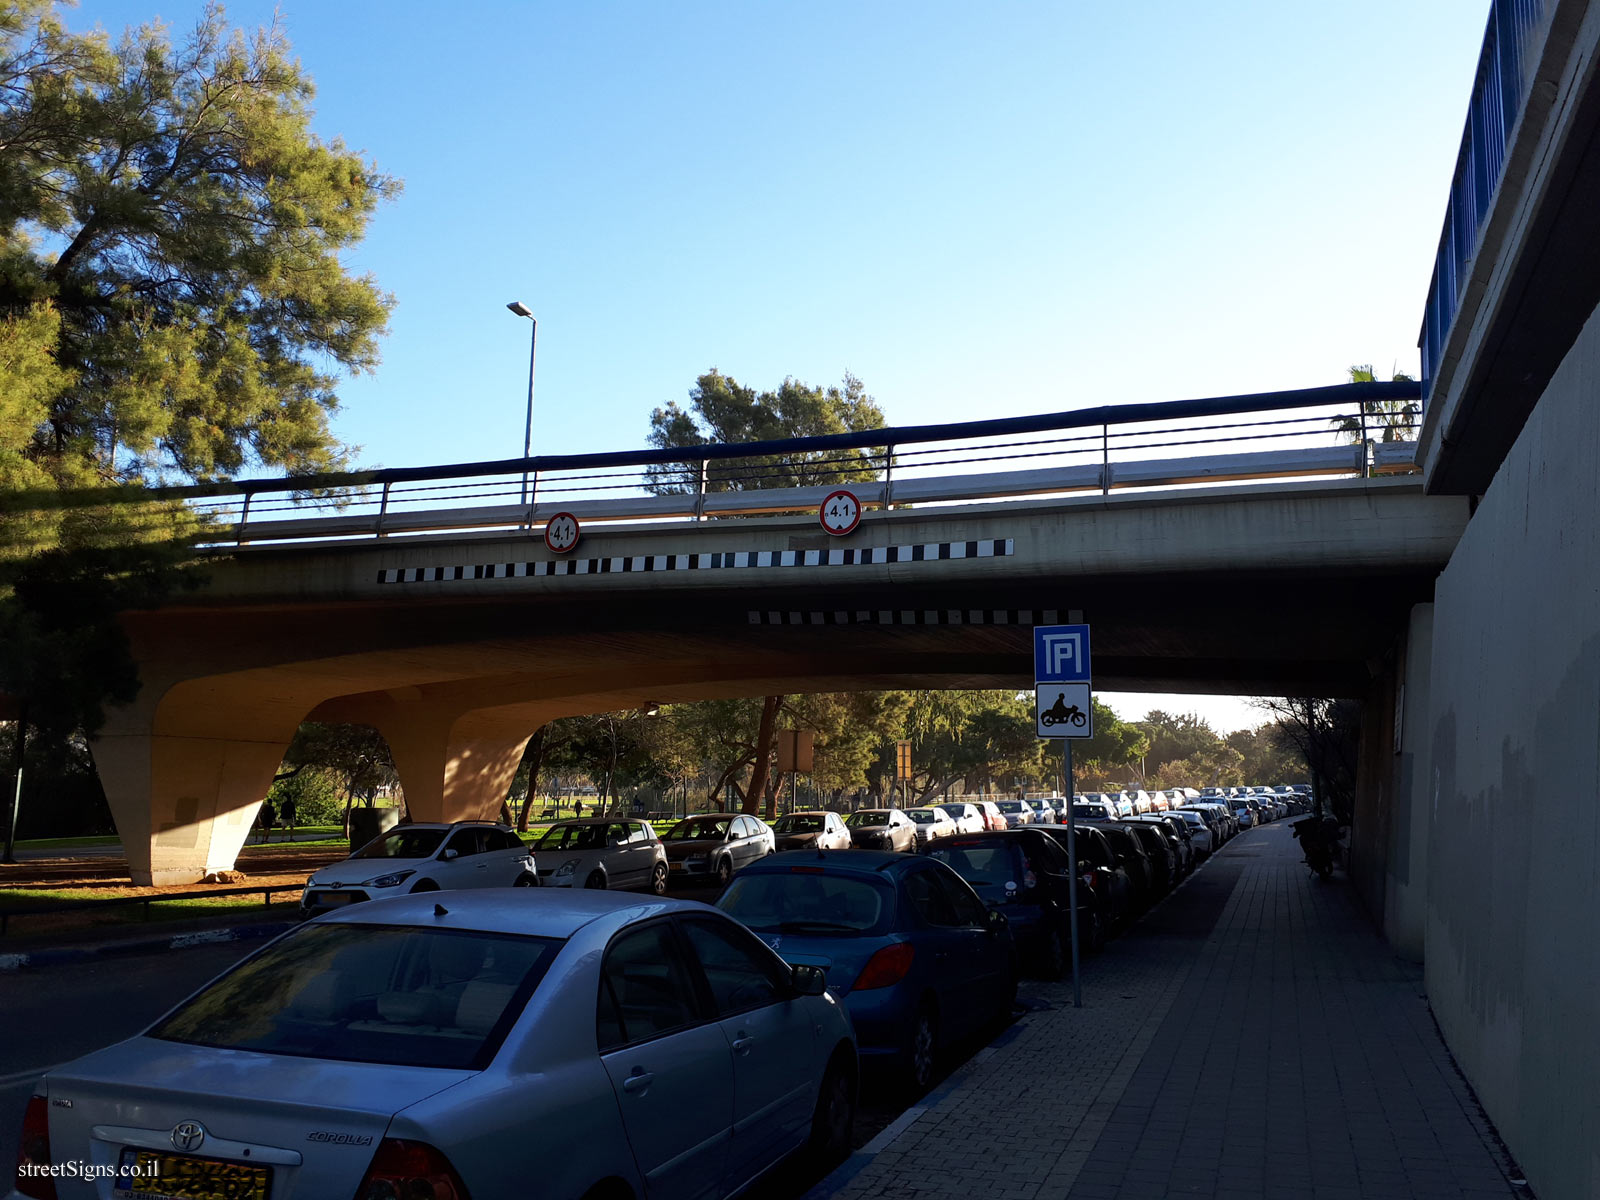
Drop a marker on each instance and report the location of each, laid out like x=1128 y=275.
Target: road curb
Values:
x=178 y=941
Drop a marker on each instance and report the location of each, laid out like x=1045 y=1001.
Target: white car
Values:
x=602 y=852
x=966 y=816
x=428 y=1045
x=817 y=830
x=932 y=824
x=423 y=858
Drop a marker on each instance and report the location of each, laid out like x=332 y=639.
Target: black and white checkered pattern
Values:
x=853 y=557
x=912 y=616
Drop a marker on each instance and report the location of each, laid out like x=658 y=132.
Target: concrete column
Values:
x=453 y=765
x=1405 y=915
x=184 y=805
x=1370 y=824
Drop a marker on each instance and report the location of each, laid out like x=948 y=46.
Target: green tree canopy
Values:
x=723 y=411
x=172 y=306
x=1383 y=420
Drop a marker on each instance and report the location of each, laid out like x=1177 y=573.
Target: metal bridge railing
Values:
x=1347 y=430
x=1511 y=43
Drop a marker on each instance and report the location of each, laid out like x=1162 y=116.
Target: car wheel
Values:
x=658 y=879
x=923 y=1049
x=526 y=881
x=724 y=871
x=596 y=880
x=425 y=885
x=1052 y=956
x=833 y=1124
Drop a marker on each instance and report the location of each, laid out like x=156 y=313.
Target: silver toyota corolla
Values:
x=483 y=1044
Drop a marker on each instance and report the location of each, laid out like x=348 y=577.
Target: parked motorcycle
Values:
x=1319 y=842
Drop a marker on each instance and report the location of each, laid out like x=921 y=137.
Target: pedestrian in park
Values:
x=286 y=816
x=268 y=816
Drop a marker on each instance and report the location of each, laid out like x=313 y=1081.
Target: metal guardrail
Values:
x=65 y=906
x=1339 y=430
x=1511 y=43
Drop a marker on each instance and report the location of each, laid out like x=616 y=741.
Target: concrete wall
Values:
x=1406 y=893
x=1513 y=912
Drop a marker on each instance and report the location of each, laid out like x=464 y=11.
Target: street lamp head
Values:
x=521 y=309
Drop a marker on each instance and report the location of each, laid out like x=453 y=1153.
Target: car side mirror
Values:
x=449 y=854
x=808 y=980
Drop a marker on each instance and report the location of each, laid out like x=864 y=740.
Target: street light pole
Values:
x=522 y=310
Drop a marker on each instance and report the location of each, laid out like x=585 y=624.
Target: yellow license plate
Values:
x=333 y=898
x=150 y=1176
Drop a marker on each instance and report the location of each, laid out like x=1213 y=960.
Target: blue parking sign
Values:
x=1061 y=653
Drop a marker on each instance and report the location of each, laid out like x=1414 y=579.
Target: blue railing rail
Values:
x=1511 y=44
x=1352 y=398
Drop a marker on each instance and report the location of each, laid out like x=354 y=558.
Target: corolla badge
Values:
x=188 y=1135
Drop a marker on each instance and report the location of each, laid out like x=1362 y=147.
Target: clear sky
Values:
x=980 y=210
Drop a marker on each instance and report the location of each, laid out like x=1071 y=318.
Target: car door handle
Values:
x=638 y=1081
x=742 y=1043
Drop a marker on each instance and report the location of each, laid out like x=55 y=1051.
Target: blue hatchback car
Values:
x=919 y=961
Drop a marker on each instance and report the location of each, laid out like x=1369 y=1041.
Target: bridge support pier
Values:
x=184 y=805
x=454 y=765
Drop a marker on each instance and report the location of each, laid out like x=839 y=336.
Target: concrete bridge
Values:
x=458 y=648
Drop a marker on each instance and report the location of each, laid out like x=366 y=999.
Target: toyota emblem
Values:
x=188 y=1135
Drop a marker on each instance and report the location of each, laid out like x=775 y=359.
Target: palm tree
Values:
x=1396 y=419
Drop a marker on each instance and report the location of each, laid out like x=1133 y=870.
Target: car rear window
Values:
x=370 y=993
x=572 y=837
x=807 y=900
x=987 y=866
x=867 y=818
x=713 y=829
x=799 y=825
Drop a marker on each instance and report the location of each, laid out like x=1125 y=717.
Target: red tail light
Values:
x=885 y=968
x=405 y=1169
x=34 y=1152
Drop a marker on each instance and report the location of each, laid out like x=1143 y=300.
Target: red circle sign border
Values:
x=577 y=532
x=822 y=510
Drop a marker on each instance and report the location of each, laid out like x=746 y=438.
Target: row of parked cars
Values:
x=464 y=996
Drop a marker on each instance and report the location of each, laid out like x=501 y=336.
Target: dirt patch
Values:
x=107 y=876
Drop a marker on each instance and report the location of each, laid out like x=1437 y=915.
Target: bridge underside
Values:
x=1297 y=595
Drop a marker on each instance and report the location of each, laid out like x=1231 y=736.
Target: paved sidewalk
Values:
x=1251 y=1038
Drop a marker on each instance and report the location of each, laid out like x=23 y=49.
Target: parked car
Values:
x=418 y=1046
x=1015 y=812
x=819 y=830
x=882 y=829
x=1088 y=809
x=1132 y=856
x=966 y=816
x=1200 y=833
x=931 y=823
x=1174 y=827
x=1160 y=851
x=1044 y=812
x=1141 y=802
x=423 y=858
x=1102 y=871
x=1023 y=873
x=993 y=819
x=713 y=846
x=602 y=853
x=915 y=956
x=1244 y=814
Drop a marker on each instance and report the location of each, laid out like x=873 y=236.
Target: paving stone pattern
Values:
x=1251 y=1038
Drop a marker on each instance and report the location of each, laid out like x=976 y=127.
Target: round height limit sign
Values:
x=840 y=512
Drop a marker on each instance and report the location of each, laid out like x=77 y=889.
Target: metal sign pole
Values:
x=1072 y=878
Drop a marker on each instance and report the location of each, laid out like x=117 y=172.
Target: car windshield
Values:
x=1010 y=806
x=955 y=810
x=805 y=900
x=799 y=824
x=403 y=843
x=408 y=996
x=867 y=818
x=922 y=816
x=572 y=837
x=1088 y=810
x=987 y=866
x=699 y=829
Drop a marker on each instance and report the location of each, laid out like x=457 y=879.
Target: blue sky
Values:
x=977 y=209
